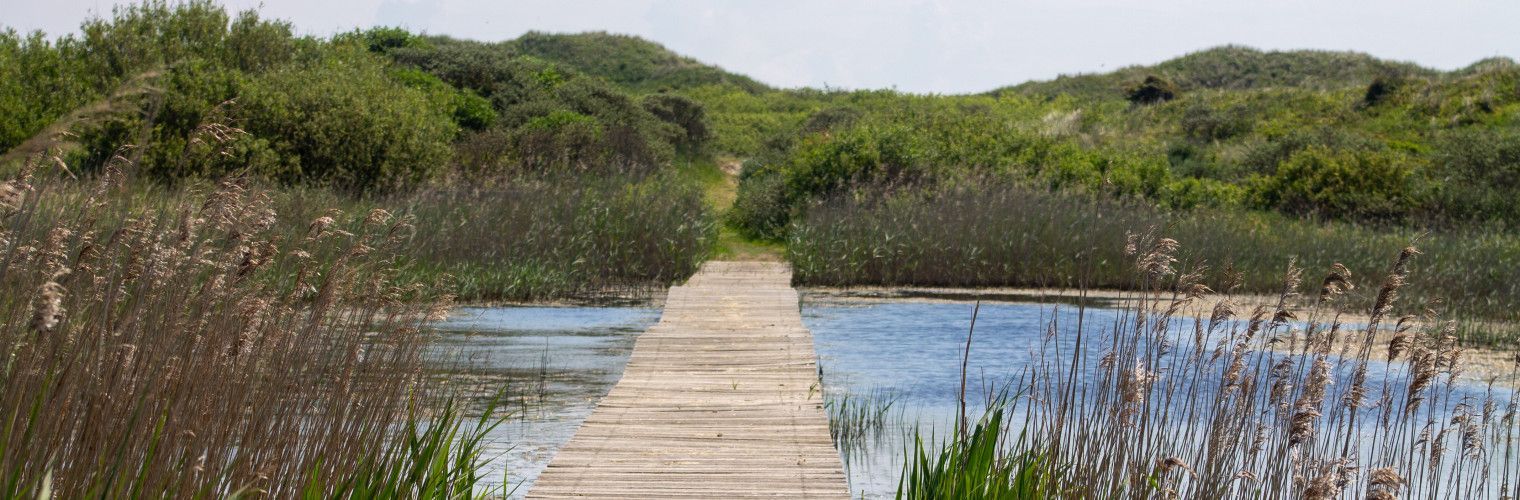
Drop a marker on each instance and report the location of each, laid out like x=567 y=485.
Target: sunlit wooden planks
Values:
x=720 y=399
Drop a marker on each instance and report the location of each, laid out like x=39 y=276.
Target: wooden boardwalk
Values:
x=720 y=400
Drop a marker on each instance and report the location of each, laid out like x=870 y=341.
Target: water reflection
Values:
x=892 y=367
x=556 y=363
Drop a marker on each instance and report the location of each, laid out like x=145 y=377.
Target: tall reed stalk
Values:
x=1282 y=401
x=195 y=346
x=995 y=235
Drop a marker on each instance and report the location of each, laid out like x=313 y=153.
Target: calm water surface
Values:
x=908 y=353
x=555 y=362
x=901 y=355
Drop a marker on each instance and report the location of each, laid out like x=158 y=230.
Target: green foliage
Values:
x=1294 y=132
x=630 y=62
x=1232 y=68
x=1339 y=184
x=383 y=39
x=984 y=464
x=687 y=117
x=535 y=102
x=763 y=205
x=341 y=121
x=1478 y=173
x=219 y=95
x=38 y=84
x=1152 y=90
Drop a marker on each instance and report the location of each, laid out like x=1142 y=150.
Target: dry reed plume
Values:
x=185 y=346
x=1287 y=402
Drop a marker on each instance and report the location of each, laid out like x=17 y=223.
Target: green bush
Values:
x=688 y=117
x=1340 y=184
x=1152 y=90
x=1476 y=174
x=341 y=121
x=534 y=101
x=763 y=206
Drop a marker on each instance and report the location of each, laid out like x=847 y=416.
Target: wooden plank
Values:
x=720 y=399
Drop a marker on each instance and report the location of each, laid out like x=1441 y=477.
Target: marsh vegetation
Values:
x=224 y=244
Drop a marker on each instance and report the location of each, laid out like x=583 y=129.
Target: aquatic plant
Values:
x=997 y=235
x=1181 y=395
x=190 y=346
x=859 y=420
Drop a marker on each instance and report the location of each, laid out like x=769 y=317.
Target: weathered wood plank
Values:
x=720 y=399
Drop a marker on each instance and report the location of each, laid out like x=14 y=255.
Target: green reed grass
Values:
x=998 y=235
x=857 y=421
x=546 y=238
x=978 y=465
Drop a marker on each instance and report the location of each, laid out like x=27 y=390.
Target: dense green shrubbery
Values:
x=1233 y=68
x=1425 y=149
x=298 y=110
x=627 y=61
x=554 y=119
x=341 y=121
x=370 y=110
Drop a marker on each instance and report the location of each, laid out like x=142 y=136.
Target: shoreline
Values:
x=1482 y=364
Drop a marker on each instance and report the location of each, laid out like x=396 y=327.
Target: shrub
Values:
x=1371 y=185
x=687 y=116
x=762 y=207
x=341 y=121
x=1477 y=175
x=1152 y=90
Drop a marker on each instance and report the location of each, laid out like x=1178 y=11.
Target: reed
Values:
x=859 y=421
x=1163 y=400
x=538 y=238
x=997 y=235
x=200 y=345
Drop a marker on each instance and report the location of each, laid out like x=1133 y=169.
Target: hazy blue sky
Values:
x=920 y=46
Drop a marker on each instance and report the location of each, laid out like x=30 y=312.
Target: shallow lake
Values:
x=907 y=354
x=555 y=363
x=893 y=366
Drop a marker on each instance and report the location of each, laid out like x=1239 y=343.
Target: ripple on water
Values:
x=556 y=363
x=907 y=354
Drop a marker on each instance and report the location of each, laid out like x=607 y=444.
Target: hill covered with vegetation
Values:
x=188 y=93
x=1233 y=68
x=508 y=157
x=1313 y=134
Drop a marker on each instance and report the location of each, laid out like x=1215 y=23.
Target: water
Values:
x=911 y=353
x=556 y=364
x=908 y=354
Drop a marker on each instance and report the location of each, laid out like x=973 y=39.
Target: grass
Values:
x=1278 y=402
x=548 y=238
x=720 y=187
x=857 y=421
x=1006 y=236
x=977 y=465
x=203 y=344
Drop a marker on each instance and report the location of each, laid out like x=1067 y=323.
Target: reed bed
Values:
x=199 y=346
x=993 y=235
x=857 y=422
x=1286 y=401
x=549 y=238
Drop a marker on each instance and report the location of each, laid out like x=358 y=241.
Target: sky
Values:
x=914 y=45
